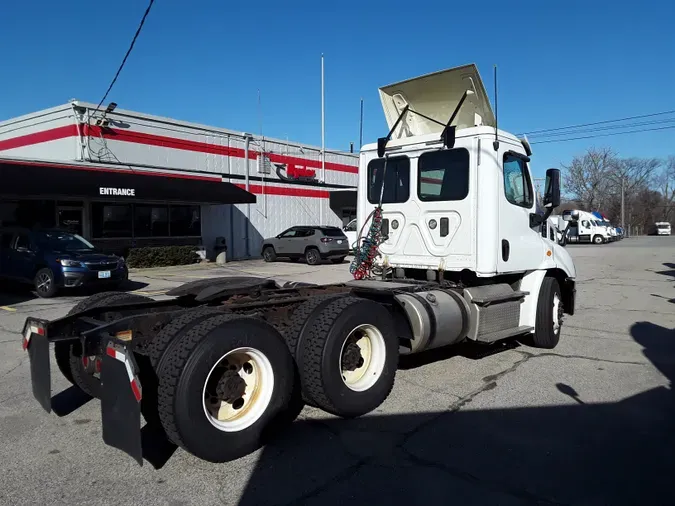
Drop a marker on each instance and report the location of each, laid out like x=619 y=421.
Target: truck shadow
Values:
x=670 y=272
x=614 y=453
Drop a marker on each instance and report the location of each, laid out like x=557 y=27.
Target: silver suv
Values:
x=311 y=243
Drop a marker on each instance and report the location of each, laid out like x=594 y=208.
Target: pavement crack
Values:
x=428 y=389
x=14 y=368
x=592 y=359
x=469 y=477
x=339 y=478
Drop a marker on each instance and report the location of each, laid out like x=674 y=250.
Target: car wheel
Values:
x=312 y=256
x=45 y=285
x=269 y=255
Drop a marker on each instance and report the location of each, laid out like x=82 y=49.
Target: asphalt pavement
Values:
x=590 y=422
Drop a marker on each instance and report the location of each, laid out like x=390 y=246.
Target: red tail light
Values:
x=326 y=239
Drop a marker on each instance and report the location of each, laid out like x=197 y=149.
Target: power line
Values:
x=598 y=123
x=133 y=41
x=546 y=141
x=605 y=128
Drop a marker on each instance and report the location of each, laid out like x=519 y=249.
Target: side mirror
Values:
x=552 y=191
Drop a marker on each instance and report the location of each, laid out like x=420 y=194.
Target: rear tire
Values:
x=549 y=315
x=159 y=348
x=246 y=422
x=312 y=256
x=349 y=357
x=269 y=255
x=68 y=354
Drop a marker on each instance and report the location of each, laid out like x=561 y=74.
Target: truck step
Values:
x=503 y=334
x=485 y=301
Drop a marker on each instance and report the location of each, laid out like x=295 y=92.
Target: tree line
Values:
x=593 y=181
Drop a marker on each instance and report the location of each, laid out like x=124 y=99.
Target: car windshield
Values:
x=332 y=232
x=63 y=241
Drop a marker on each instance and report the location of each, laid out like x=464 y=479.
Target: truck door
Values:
x=521 y=246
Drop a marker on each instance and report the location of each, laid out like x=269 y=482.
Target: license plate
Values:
x=103 y=274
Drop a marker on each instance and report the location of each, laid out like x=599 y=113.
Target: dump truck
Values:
x=450 y=249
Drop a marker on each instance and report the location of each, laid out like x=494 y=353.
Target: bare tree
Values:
x=666 y=185
x=586 y=178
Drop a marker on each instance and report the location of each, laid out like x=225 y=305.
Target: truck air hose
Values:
x=367 y=249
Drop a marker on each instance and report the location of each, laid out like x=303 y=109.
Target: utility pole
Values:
x=323 y=143
x=623 y=192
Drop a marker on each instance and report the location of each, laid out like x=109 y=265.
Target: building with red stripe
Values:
x=122 y=179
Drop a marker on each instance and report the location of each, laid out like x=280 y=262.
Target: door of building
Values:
x=70 y=219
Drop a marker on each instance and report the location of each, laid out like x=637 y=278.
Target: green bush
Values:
x=162 y=256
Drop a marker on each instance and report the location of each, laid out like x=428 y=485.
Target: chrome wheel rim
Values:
x=44 y=282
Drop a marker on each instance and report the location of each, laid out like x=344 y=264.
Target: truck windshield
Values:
x=663 y=226
x=62 y=241
x=397 y=180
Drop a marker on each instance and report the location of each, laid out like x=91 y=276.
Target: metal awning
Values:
x=20 y=177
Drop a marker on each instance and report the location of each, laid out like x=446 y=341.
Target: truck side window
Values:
x=517 y=186
x=397 y=180
x=443 y=175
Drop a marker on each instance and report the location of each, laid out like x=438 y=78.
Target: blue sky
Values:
x=560 y=63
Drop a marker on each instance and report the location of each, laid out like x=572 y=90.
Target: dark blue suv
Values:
x=55 y=259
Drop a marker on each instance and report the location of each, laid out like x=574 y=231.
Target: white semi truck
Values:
x=584 y=227
x=459 y=254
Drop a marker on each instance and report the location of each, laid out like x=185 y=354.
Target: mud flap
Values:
x=121 y=401
x=40 y=374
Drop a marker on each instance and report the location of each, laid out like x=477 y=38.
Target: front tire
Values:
x=349 y=357
x=598 y=239
x=269 y=255
x=225 y=387
x=549 y=315
x=45 y=285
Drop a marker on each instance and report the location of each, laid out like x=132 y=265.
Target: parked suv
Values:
x=55 y=259
x=311 y=243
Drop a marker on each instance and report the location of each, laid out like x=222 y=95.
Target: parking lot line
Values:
x=7 y=308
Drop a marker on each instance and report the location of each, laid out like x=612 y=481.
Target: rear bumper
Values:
x=334 y=253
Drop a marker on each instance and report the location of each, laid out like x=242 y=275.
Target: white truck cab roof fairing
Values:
x=436 y=96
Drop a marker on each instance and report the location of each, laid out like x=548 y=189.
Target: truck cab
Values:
x=465 y=207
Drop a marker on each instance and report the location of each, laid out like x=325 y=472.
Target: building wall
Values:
x=134 y=139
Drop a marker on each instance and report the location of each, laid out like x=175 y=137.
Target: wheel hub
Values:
x=231 y=386
x=351 y=356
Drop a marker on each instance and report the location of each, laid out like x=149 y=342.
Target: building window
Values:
x=397 y=180
x=186 y=221
x=443 y=175
x=111 y=220
x=151 y=221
